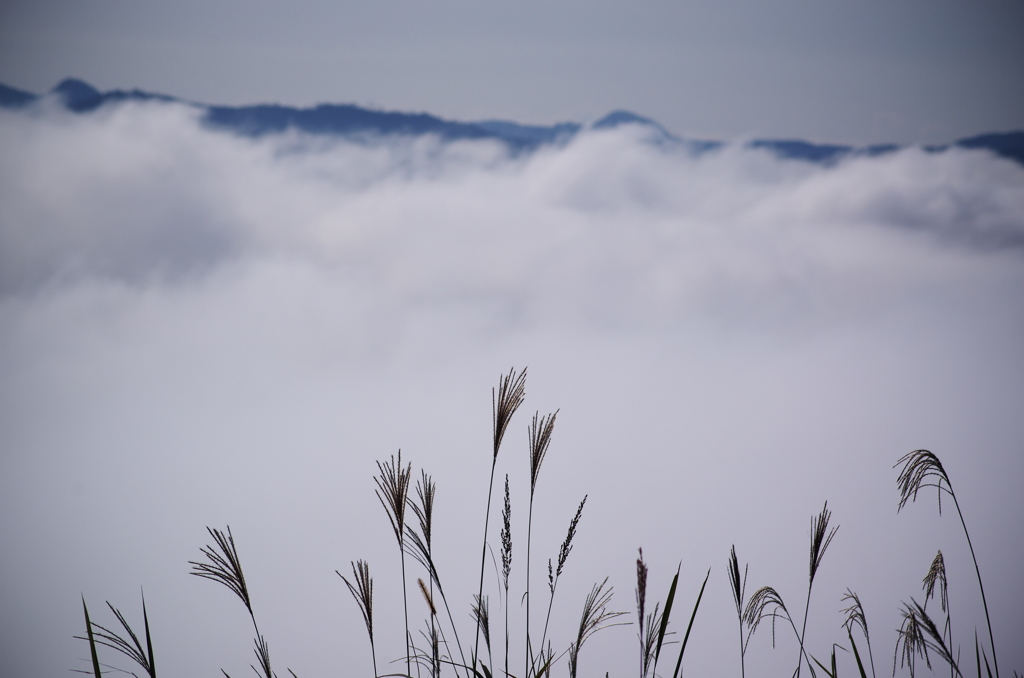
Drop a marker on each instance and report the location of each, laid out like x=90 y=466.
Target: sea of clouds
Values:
x=198 y=329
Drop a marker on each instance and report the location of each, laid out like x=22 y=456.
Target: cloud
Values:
x=197 y=328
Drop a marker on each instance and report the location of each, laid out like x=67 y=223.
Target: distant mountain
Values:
x=15 y=98
x=351 y=120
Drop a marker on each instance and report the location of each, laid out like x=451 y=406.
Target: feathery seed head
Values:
x=423 y=507
x=393 y=493
x=921 y=468
x=362 y=591
x=540 y=438
x=911 y=636
x=738 y=586
x=224 y=565
x=641 y=590
x=855 y=614
x=821 y=537
x=426 y=596
x=482 y=616
x=936 y=575
x=918 y=634
x=504 y=403
x=765 y=602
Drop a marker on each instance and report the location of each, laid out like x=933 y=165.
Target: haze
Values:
x=201 y=329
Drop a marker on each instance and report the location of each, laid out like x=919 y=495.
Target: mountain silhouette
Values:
x=356 y=121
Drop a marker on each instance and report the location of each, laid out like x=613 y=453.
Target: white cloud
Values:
x=202 y=329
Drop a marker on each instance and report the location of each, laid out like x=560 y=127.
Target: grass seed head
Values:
x=224 y=566
x=921 y=469
x=393 y=493
x=563 y=551
x=738 y=585
x=855 y=614
x=765 y=602
x=821 y=537
x=426 y=596
x=506 y=537
x=362 y=591
x=482 y=616
x=509 y=396
x=936 y=575
x=423 y=506
x=540 y=439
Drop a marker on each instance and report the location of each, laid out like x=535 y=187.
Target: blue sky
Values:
x=871 y=71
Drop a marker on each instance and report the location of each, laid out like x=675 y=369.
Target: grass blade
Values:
x=92 y=642
x=665 y=616
x=149 y=638
x=977 y=653
x=825 y=668
x=689 y=627
x=856 y=654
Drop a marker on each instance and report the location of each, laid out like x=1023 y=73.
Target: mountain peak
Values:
x=76 y=92
x=616 y=118
x=621 y=117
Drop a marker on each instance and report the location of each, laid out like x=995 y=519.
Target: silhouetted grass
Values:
x=855 y=617
x=922 y=637
x=921 y=469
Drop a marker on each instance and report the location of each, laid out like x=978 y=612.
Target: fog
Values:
x=199 y=329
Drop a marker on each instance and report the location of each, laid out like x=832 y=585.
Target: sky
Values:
x=874 y=71
x=200 y=329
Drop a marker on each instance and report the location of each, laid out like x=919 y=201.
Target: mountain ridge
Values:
x=352 y=120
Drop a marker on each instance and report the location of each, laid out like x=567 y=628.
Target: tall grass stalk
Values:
x=540 y=438
x=821 y=537
x=225 y=567
x=505 y=401
x=423 y=508
x=393 y=493
x=648 y=624
x=641 y=603
x=362 y=591
x=506 y=558
x=739 y=593
x=936 y=578
x=563 y=555
x=921 y=469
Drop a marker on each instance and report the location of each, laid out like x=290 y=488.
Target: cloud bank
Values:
x=202 y=329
